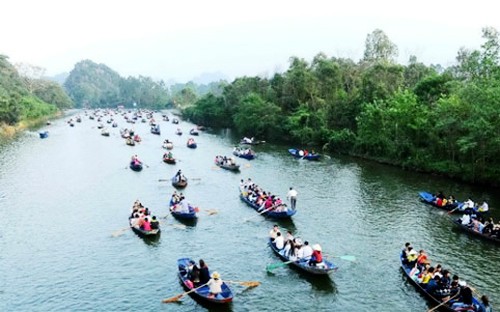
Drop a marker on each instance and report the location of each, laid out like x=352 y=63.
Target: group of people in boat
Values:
x=126 y=133
x=305 y=153
x=439 y=282
x=440 y=200
x=178 y=203
x=168 y=155
x=223 y=160
x=191 y=141
x=247 y=140
x=141 y=218
x=243 y=151
x=475 y=219
x=199 y=274
x=265 y=200
x=292 y=247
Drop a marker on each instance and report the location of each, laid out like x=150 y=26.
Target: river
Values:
x=65 y=245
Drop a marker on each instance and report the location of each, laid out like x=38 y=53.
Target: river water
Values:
x=65 y=245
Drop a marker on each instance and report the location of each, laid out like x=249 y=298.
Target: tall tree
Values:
x=379 y=48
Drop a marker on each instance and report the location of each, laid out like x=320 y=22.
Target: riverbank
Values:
x=8 y=132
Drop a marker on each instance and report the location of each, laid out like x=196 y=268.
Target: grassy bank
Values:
x=8 y=132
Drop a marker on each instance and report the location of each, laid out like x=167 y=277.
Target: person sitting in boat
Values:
x=316 y=257
x=305 y=252
x=465 y=220
x=204 y=272
x=279 y=242
x=412 y=256
x=404 y=254
x=231 y=161
x=247 y=140
x=466 y=298
x=289 y=244
x=468 y=206
x=483 y=209
x=193 y=273
x=274 y=231
x=215 y=285
x=155 y=224
x=183 y=206
x=146 y=225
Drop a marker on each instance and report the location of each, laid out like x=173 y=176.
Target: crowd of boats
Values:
x=443 y=291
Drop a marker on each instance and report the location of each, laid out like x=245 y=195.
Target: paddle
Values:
x=457 y=207
x=246 y=284
x=346 y=257
x=263 y=211
x=119 y=232
x=273 y=266
x=211 y=211
x=176 y=298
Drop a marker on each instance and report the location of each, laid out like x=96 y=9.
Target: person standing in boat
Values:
x=178 y=176
x=292 y=196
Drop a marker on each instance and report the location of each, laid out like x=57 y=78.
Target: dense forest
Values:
x=25 y=96
x=428 y=118
x=92 y=85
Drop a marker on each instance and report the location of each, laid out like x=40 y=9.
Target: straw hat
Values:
x=215 y=275
x=316 y=247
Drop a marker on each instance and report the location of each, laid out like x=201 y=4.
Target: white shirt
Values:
x=465 y=219
x=279 y=241
x=215 y=285
x=484 y=207
x=469 y=203
x=307 y=252
x=291 y=193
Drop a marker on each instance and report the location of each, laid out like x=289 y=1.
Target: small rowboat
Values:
x=155 y=129
x=191 y=144
x=288 y=213
x=183 y=215
x=168 y=145
x=130 y=142
x=407 y=270
x=178 y=132
x=476 y=233
x=303 y=265
x=227 y=166
x=135 y=166
x=193 y=132
x=430 y=199
x=202 y=293
x=44 y=134
x=105 y=132
x=169 y=160
x=300 y=154
x=179 y=184
x=175 y=121
x=143 y=233
x=247 y=154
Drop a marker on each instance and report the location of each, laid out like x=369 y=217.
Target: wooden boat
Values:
x=114 y=125
x=183 y=215
x=247 y=154
x=137 y=138
x=43 y=135
x=202 y=293
x=430 y=199
x=143 y=233
x=155 y=129
x=271 y=214
x=178 y=131
x=179 y=184
x=251 y=141
x=226 y=166
x=105 y=132
x=100 y=126
x=476 y=233
x=168 y=160
x=175 y=121
x=303 y=265
x=300 y=154
x=191 y=144
x=193 y=132
x=135 y=166
x=168 y=145
x=433 y=300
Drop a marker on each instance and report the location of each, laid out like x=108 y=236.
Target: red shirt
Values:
x=317 y=255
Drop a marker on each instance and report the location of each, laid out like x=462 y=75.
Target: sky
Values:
x=181 y=40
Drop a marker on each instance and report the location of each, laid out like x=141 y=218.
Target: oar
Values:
x=263 y=211
x=164 y=180
x=346 y=257
x=246 y=284
x=211 y=211
x=451 y=211
x=176 y=298
x=119 y=232
x=273 y=266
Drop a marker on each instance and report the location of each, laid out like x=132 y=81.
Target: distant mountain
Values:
x=59 y=78
x=207 y=78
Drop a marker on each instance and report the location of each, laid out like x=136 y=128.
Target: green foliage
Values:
x=430 y=118
x=96 y=85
